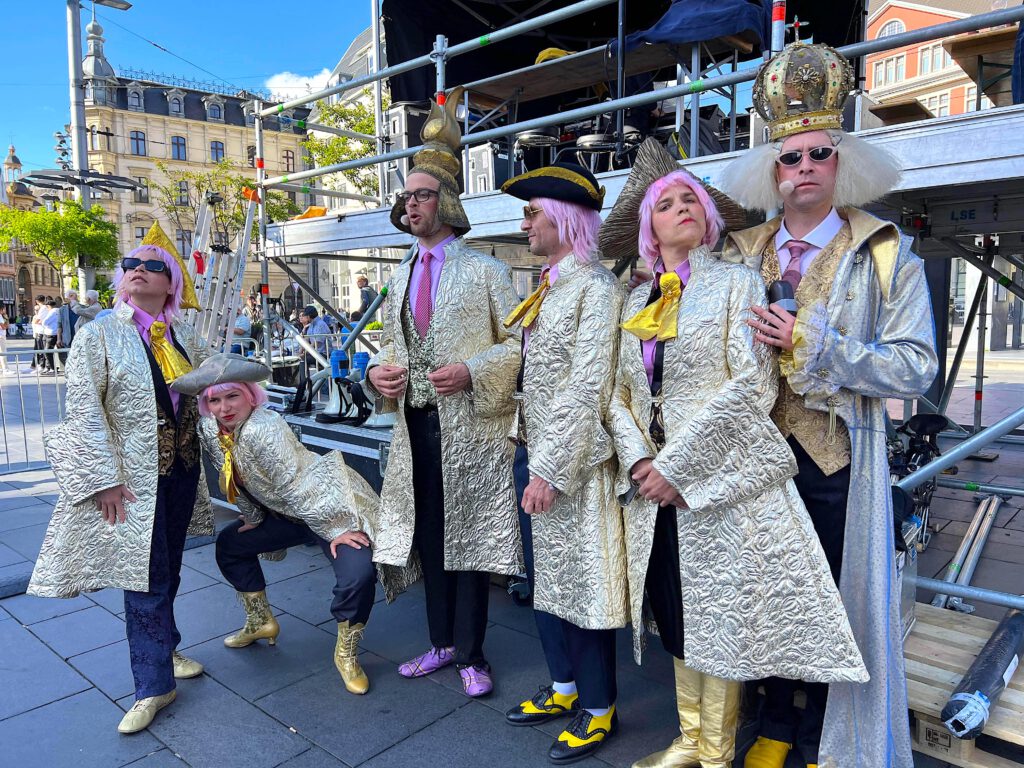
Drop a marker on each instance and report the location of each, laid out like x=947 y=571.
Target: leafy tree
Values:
x=60 y=236
x=182 y=193
x=354 y=116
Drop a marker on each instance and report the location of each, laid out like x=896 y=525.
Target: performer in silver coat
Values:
x=863 y=333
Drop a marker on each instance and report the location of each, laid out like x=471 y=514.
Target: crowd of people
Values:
x=683 y=456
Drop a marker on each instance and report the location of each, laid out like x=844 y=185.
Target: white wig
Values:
x=865 y=173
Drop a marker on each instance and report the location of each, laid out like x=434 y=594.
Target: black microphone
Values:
x=780 y=292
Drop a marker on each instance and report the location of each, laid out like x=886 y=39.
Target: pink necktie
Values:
x=421 y=314
x=792 y=275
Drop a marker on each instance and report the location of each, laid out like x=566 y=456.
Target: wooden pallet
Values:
x=941 y=646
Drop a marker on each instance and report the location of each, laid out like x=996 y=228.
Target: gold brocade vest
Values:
x=790 y=414
x=179 y=438
x=419 y=393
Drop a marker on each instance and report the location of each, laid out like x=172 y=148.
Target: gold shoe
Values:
x=683 y=752
x=719 y=711
x=259 y=622
x=141 y=715
x=767 y=753
x=346 y=657
x=184 y=667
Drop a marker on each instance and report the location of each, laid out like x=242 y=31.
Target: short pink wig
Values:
x=576 y=225
x=254 y=394
x=172 y=307
x=648 y=246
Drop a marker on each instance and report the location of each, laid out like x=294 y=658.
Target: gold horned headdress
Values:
x=802 y=88
x=440 y=158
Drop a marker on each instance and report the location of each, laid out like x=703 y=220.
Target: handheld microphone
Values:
x=780 y=292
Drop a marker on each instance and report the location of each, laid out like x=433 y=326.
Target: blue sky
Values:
x=249 y=44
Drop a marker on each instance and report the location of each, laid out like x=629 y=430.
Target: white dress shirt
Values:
x=816 y=240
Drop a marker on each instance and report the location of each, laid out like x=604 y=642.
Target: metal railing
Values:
x=31 y=402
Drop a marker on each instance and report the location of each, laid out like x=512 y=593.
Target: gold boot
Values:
x=346 y=657
x=683 y=752
x=719 y=711
x=259 y=622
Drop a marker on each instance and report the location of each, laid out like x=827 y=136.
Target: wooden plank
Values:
x=931 y=738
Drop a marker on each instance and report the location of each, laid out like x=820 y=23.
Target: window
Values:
x=971 y=100
x=175 y=105
x=289 y=161
x=141 y=193
x=135 y=100
x=933 y=58
x=94 y=138
x=893 y=27
x=215 y=112
x=250 y=155
x=216 y=151
x=938 y=105
x=140 y=233
x=890 y=71
x=182 y=193
x=138 y=143
x=183 y=239
x=178 y=151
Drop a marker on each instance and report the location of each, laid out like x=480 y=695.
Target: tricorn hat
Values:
x=620 y=234
x=223 y=368
x=568 y=182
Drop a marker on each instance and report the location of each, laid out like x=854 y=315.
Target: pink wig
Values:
x=649 y=249
x=172 y=307
x=576 y=225
x=254 y=394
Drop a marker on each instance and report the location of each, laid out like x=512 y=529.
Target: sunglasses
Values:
x=529 y=213
x=421 y=195
x=818 y=155
x=151 y=265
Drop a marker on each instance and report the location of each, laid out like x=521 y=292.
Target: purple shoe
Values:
x=431 y=661
x=476 y=680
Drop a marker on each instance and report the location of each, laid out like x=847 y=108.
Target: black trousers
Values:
x=456 y=600
x=663 y=585
x=354 y=574
x=825 y=497
x=572 y=653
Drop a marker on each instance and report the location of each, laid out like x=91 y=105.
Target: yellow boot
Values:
x=683 y=752
x=346 y=657
x=259 y=622
x=767 y=753
x=719 y=710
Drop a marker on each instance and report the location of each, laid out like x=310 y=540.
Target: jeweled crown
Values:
x=802 y=88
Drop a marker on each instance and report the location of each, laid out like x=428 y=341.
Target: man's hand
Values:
x=449 y=379
x=110 y=503
x=774 y=326
x=354 y=539
x=654 y=487
x=389 y=380
x=640 y=470
x=245 y=524
x=538 y=496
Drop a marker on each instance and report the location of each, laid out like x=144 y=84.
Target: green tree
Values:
x=356 y=116
x=62 y=235
x=183 y=192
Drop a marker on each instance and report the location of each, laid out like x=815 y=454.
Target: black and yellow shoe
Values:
x=584 y=736
x=546 y=705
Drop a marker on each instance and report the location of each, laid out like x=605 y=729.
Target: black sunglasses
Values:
x=151 y=265
x=818 y=155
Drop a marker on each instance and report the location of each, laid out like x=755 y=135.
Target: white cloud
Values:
x=288 y=85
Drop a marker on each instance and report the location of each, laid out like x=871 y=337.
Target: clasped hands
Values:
x=391 y=380
x=653 y=486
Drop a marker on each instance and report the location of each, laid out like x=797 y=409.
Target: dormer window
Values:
x=216 y=113
x=176 y=106
x=214 y=108
x=135 y=98
x=249 y=110
x=175 y=102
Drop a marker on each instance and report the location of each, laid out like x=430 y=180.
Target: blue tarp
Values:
x=691 y=21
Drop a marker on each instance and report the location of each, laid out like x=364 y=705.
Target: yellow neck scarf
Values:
x=528 y=310
x=172 y=363
x=659 y=318
x=227 y=474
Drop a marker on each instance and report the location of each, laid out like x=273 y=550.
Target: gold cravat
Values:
x=528 y=310
x=227 y=469
x=660 y=317
x=172 y=363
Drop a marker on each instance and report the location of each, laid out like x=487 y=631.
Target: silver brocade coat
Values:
x=758 y=596
x=108 y=437
x=579 y=544
x=286 y=477
x=874 y=339
x=474 y=295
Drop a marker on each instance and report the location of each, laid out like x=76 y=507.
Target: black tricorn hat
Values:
x=568 y=182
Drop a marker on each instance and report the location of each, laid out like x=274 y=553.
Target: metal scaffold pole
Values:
x=261 y=175
x=379 y=123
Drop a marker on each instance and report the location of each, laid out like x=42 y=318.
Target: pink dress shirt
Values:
x=436 y=263
x=143 y=320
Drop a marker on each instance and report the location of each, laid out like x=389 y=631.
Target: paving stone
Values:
x=25 y=541
x=9 y=557
x=77 y=731
x=14 y=578
x=307 y=596
x=81 y=631
x=656 y=662
x=14 y=511
x=4 y=615
x=208 y=725
x=206 y=613
x=108 y=668
x=31 y=674
x=314 y=758
x=29 y=609
x=504 y=611
x=396 y=632
x=260 y=669
x=111 y=599
x=191 y=580
x=394 y=709
x=162 y=759
x=204 y=561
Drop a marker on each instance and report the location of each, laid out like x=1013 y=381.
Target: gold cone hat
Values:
x=156 y=236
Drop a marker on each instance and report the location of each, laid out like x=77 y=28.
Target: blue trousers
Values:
x=586 y=656
x=149 y=616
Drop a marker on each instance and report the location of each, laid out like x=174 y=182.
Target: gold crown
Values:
x=802 y=88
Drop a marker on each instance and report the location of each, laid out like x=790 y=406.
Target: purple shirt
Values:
x=683 y=271
x=436 y=262
x=552 y=273
x=143 y=320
